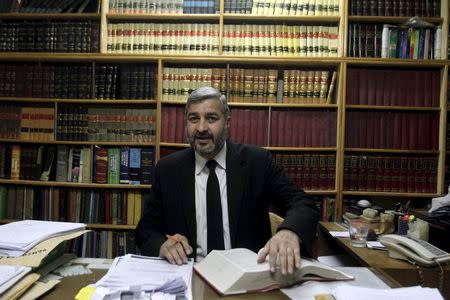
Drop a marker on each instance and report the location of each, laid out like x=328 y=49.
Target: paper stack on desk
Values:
x=140 y=275
x=9 y=275
x=29 y=233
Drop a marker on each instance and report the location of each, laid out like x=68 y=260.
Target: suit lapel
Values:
x=236 y=180
x=187 y=192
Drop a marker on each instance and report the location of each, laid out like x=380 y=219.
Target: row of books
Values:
x=70 y=205
x=164 y=6
x=283 y=7
x=127 y=81
x=27 y=123
x=252 y=85
x=308 y=86
x=77 y=164
x=50 y=6
x=178 y=83
x=50 y=36
x=104 y=244
x=280 y=40
x=390 y=41
x=113 y=124
x=412 y=43
x=390 y=174
x=104 y=165
x=312 y=128
x=422 y=8
x=46 y=80
x=399 y=87
x=392 y=130
x=163 y=38
x=309 y=171
x=303 y=128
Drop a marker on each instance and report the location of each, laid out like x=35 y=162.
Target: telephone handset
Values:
x=421 y=252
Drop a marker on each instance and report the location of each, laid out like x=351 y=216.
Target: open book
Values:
x=236 y=271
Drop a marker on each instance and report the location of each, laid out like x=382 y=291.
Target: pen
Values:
x=173 y=238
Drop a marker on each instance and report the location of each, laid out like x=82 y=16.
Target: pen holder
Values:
x=402 y=226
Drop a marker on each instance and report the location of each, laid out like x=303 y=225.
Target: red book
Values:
x=164 y=124
x=362 y=173
x=352 y=86
x=347 y=175
x=234 y=125
x=315 y=171
x=364 y=130
x=307 y=172
x=172 y=124
x=395 y=174
x=419 y=176
x=435 y=131
x=435 y=87
x=289 y=129
x=411 y=175
x=413 y=125
x=300 y=136
x=396 y=130
x=101 y=165
x=274 y=128
x=371 y=87
x=363 y=87
x=314 y=128
x=331 y=169
x=299 y=172
x=254 y=129
x=380 y=81
x=309 y=119
x=403 y=175
x=382 y=133
x=407 y=120
x=371 y=173
x=247 y=138
x=419 y=93
x=354 y=170
x=387 y=174
x=379 y=173
x=179 y=132
x=282 y=128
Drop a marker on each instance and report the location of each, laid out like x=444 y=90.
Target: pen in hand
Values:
x=173 y=238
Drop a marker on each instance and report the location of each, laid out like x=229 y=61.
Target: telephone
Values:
x=421 y=252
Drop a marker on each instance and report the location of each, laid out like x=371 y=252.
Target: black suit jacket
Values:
x=253 y=183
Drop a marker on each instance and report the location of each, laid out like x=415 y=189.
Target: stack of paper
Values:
x=9 y=275
x=18 y=237
x=144 y=275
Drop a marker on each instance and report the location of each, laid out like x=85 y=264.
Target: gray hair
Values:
x=206 y=93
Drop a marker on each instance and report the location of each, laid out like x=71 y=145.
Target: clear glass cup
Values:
x=358 y=231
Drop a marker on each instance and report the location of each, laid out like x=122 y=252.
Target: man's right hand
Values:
x=175 y=249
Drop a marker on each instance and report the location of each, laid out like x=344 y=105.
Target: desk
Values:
x=70 y=286
x=403 y=272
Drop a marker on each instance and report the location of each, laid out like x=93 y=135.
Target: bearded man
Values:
x=217 y=194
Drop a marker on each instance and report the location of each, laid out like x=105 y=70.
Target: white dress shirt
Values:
x=201 y=177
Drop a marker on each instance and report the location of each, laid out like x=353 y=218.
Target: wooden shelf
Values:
x=392 y=19
x=404 y=151
x=137 y=144
x=395 y=62
x=76 y=184
x=390 y=107
x=110 y=227
x=163 y=17
x=303 y=19
x=390 y=194
x=86 y=101
x=302 y=149
x=50 y=16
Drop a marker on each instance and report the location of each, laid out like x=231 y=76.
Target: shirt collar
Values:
x=220 y=158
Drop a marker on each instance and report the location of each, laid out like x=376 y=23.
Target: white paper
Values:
x=141 y=273
x=28 y=233
x=340 y=233
x=406 y=293
x=308 y=290
x=375 y=245
x=9 y=275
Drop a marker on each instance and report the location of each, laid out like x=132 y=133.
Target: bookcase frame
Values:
x=341 y=63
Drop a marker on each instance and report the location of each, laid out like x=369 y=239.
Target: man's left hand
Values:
x=284 y=245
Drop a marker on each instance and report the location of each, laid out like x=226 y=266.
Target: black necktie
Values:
x=214 y=209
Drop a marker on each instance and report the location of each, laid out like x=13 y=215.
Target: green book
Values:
x=113 y=166
x=393 y=38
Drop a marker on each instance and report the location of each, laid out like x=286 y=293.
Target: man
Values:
x=176 y=220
